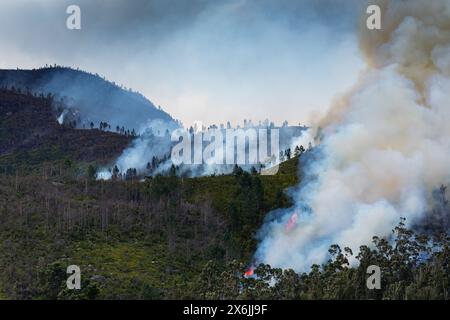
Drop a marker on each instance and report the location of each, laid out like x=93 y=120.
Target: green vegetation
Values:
x=414 y=267
x=132 y=240
x=31 y=137
x=176 y=238
x=169 y=237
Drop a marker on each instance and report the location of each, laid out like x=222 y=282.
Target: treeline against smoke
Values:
x=150 y=154
x=133 y=240
x=384 y=145
x=66 y=116
x=173 y=237
x=86 y=100
x=82 y=100
x=413 y=266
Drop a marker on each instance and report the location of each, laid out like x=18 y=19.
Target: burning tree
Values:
x=413 y=266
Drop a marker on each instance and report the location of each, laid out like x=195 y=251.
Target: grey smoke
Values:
x=201 y=60
x=95 y=99
x=384 y=147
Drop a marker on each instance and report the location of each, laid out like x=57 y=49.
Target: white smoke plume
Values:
x=61 y=117
x=153 y=140
x=383 y=147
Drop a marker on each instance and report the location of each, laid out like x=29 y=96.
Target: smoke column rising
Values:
x=384 y=146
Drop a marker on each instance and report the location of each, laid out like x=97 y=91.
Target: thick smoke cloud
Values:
x=383 y=147
x=153 y=141
x=201 y=60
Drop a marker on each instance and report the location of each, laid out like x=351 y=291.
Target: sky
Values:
x=200 y=60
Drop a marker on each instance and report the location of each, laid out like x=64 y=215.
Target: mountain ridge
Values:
x=93 y=98
x=31 y=135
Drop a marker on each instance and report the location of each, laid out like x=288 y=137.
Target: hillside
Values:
x=30 y=135
x=132 y=240
x=174 y=238
x=90 y=97
x=167 y=237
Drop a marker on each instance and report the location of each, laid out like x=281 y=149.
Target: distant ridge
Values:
x=92 y=97
x=30 y=135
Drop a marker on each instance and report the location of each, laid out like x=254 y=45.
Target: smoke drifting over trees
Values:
x=91 y=98
x=384 y=147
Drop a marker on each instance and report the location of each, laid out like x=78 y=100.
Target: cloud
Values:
x=252 y=59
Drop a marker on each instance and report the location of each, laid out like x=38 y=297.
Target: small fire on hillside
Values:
x=292 y=222
x=250 y=271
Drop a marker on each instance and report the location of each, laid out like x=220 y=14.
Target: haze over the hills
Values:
x=91 y=98
x=201 y=60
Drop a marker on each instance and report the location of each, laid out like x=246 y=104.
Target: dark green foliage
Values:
x=91 y=173
x=167 y=237
x=53 y=284
x=131 y=239
x=53 y=280
x=413 y=266
x=31 y=136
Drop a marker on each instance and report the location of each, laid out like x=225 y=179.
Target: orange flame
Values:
x=250 y=271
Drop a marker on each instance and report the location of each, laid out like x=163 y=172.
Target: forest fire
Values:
x=292 y=222
x=250 y=271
